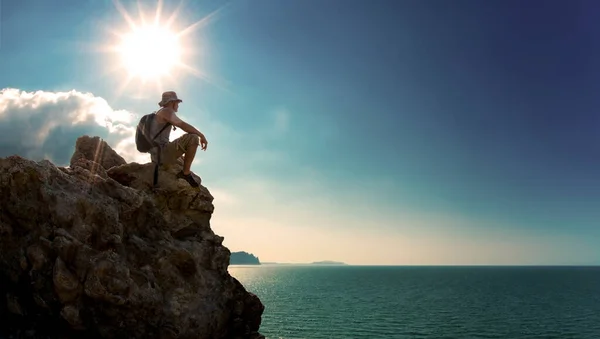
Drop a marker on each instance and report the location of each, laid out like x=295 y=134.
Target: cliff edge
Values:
x=91 y=250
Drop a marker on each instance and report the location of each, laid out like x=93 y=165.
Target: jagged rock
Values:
x=96 y=151
x=86 y=250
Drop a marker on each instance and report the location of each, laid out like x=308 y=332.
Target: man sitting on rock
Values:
x=185 y=145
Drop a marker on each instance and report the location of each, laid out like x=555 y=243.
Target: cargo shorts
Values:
x=176 y=148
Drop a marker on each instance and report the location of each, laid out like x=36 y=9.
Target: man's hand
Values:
x=203 y=142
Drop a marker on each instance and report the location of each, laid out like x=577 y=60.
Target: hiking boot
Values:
x=187 y=178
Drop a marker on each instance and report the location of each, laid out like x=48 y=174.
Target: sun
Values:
x=150 y=52
x=153 y=48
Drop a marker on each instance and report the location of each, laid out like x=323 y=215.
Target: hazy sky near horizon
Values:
x=383 y=132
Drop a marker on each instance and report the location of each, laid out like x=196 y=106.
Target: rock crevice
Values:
x=91 y=249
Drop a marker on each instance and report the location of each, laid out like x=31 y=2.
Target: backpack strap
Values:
x=159 y=151
x=156 y=170
x=168 y=124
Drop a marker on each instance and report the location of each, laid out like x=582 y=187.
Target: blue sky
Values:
x=386 y=132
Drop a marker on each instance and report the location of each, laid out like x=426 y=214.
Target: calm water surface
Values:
x=425 y=302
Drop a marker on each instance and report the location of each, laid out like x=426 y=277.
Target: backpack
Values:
x=144 y=143
x=143 y=140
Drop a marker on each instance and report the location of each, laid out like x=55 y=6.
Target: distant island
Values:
x=243 y=258
x=328 y=262
x=324 y=262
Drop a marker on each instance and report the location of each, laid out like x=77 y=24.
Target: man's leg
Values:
x=188 y=156
x=187 y=145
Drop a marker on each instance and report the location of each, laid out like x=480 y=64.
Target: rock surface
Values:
x=88 y=250
x=96 y=150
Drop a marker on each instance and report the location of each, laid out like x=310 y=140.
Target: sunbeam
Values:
x=153 y=49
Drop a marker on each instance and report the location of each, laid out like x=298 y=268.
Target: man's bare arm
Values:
x=171 y=117
x=188 y=128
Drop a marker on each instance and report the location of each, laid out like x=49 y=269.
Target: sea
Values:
x=310 y=301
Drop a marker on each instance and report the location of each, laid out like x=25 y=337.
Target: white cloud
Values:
x=44 y=124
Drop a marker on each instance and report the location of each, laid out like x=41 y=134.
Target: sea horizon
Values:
x=419 y=265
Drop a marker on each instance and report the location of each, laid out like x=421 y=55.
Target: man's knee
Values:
x=193 y=139
x=188 y=140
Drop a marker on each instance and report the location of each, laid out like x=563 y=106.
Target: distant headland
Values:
x=324 y=262
x=243 y=258
x=328 y=262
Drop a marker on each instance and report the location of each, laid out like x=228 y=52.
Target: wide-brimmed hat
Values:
x=168 y=97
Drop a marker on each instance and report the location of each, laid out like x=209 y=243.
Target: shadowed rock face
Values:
x=94 y=251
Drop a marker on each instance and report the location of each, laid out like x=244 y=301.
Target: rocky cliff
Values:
x=92 y=250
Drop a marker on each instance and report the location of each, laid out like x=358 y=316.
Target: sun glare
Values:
x=150 y=52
